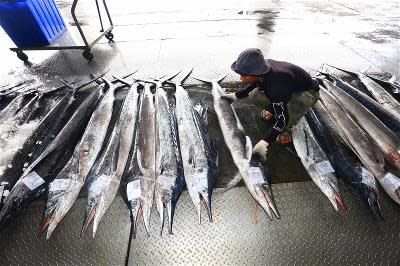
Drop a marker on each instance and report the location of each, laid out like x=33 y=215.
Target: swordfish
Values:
x=385 y=139
x=391 y=121
x=361 y=144
x=240 y=148
x=64 y=190
x=44 y=169
x=343 y=160
x=199 y=154
x=105 y=183
x=316 y=163
x=142 y=170
x=169 y=181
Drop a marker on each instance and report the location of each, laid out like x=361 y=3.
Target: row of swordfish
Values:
x=155 y=149
x=354 y=136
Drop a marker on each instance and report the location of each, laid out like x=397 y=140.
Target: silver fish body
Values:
x=169 y=178
x=385 y=139
x=345 y=163
x=45 y=168
x=64 y=190
x=195 y=151
x=104 y=185
x=381 y=95
x=316 y=162
x=240 y=148
x=361 y=144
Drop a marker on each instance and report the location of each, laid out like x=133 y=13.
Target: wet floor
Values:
x=162 y=37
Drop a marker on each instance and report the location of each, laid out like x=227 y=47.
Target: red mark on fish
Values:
x=394 y=155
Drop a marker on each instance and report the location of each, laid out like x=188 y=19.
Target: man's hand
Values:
x=284 y=138
x=261 y=148
x=266 y=115
x=231 y=97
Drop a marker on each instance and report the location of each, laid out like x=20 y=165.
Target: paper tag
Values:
x=1 y=192
x=100 y=183
x=133 y=190
x=324 y=167
x=390 y=181
x=32 y=180
x=256 y=175
x=59 y=184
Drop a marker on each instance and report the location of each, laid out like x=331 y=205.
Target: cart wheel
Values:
x=109 y=36
x=87 y=55
x=22 y=56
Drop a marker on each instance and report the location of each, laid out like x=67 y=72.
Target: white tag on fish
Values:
x=1 y=192
x=390 y=181
x=324 y=167
x=32 y=180
x=59 y=184
x=256 y=175
x=100 y=183
x=133 y=190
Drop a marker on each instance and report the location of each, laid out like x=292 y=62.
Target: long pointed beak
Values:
x=206 y=201
x=170 y=218
x=338 y=199
x=89 y=218
x=271 y=202
x=135 y=214
x=45 y=224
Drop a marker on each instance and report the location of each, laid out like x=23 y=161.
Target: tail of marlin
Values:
x=217 y=80
x=182 y=80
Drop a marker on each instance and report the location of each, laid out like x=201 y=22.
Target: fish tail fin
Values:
x=218 y=79
x=44 y=224
x=236 y=179
x=182 y=80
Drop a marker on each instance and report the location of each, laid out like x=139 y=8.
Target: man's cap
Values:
x=251 y=62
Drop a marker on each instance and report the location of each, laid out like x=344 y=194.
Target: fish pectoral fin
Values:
x=191 y=156
x=249 y=149
x=236 y=179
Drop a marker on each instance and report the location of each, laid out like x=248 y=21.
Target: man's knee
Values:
x=258 y=98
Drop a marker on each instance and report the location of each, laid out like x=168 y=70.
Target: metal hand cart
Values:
x=66 y=41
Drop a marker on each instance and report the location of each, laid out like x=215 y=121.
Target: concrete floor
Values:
x=161 y=37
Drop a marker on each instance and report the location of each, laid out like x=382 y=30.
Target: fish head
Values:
x=19 y=197
x=99 y=198
x=61 y=196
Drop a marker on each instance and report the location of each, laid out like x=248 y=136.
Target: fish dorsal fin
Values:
x=249 y=148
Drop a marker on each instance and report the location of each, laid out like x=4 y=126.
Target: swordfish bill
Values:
x=105 y=184
x=45 y=168
x=240 y=147
x=385 y=139
x=198 y=171
x=361 y=144
x=64 y=190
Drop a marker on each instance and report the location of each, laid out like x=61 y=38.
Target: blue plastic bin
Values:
x=31 y=23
